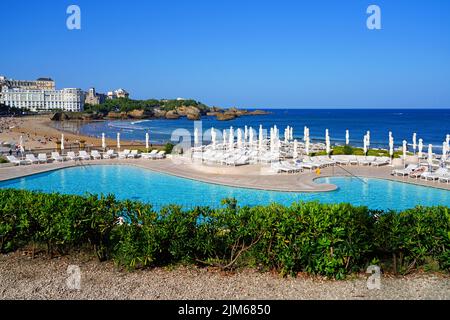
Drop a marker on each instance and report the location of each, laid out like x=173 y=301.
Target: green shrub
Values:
x=169 y=147
x=347 y=150
x=332 y=240
x=414 y=237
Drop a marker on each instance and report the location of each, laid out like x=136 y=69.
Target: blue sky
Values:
x=246 y=53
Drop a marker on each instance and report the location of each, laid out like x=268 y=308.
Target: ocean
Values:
x=431 y=125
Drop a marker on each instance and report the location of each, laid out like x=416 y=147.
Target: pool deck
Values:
x=251 y=176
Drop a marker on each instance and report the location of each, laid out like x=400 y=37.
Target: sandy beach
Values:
x=39 y=134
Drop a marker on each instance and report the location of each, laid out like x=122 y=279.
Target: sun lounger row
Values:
x=235 y=158
x=418 y=171
x=83 y=155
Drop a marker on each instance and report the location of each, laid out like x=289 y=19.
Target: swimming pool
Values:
x=128 y=182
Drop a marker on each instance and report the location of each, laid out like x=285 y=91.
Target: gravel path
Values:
x=24 y=278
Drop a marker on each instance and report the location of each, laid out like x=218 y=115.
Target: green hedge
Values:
x=333 y=240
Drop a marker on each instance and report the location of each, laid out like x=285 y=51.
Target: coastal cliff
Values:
x=164 y=109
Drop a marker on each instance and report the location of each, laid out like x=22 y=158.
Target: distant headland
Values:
x=124 y=108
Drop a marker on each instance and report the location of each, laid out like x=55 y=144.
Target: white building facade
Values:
x=68 y=99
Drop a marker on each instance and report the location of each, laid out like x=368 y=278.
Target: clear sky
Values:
x=245 y=53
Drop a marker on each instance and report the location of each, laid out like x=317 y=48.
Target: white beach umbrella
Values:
x=347 y=137
x=62 y=142
x=420 y=148
x=196 y=140
x=327 y=134
x=365 y=145
x=328 y=145
x=213 y=137
x=239 y=139
x=295 y=155
x=368 y=139
x=391 y=147
x=286 y=135
x=414 y=139
x=430 y=154
x=118 y=140
x=251 y=137
x=447 y=139
x=305 y=133
x=224 y=134
x=307 y=145
x=272 y=139
x=444 y=151
x=260 y=142
x=104 y=141
x=147 y=140
x=231 y=139
x=291 y=134
x=405 y=149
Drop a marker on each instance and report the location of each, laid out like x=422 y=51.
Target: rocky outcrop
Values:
x=172 y=114
x=158 y=113
x=190 y=112
x=226 y=116
x=138 y=114
x=117 y=115
x=194 y=116
x=60 y=116
x=257 y=113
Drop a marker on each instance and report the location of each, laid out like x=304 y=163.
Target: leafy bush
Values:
x=347 y=150
x=333 y=240
x=413 y=237
x=168 y=147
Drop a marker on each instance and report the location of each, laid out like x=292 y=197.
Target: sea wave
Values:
x=141 y=121
x=126 y=126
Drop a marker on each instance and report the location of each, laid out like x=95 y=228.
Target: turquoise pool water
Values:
x=128 y=182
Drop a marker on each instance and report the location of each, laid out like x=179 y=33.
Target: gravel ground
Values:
x=41 y=278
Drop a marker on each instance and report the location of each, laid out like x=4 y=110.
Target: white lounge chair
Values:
x=381 y=161
x=57 y=157
x=417 y=173
x=133 y=154
x=366 y=161
x=279 y=168
x=96 y=155
x=84 y=155
x=439 y=173
x=149 y=155
x=341 y=159
x=16 y=161
x=71 y=156
x=404 y=172
x=32 y=158
x=445 y=178
x=160 y=155
x=124 y=154
x=42 y=158
x=109 y=155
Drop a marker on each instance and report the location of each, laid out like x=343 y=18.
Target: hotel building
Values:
x=68 y=99
x=39 y=95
